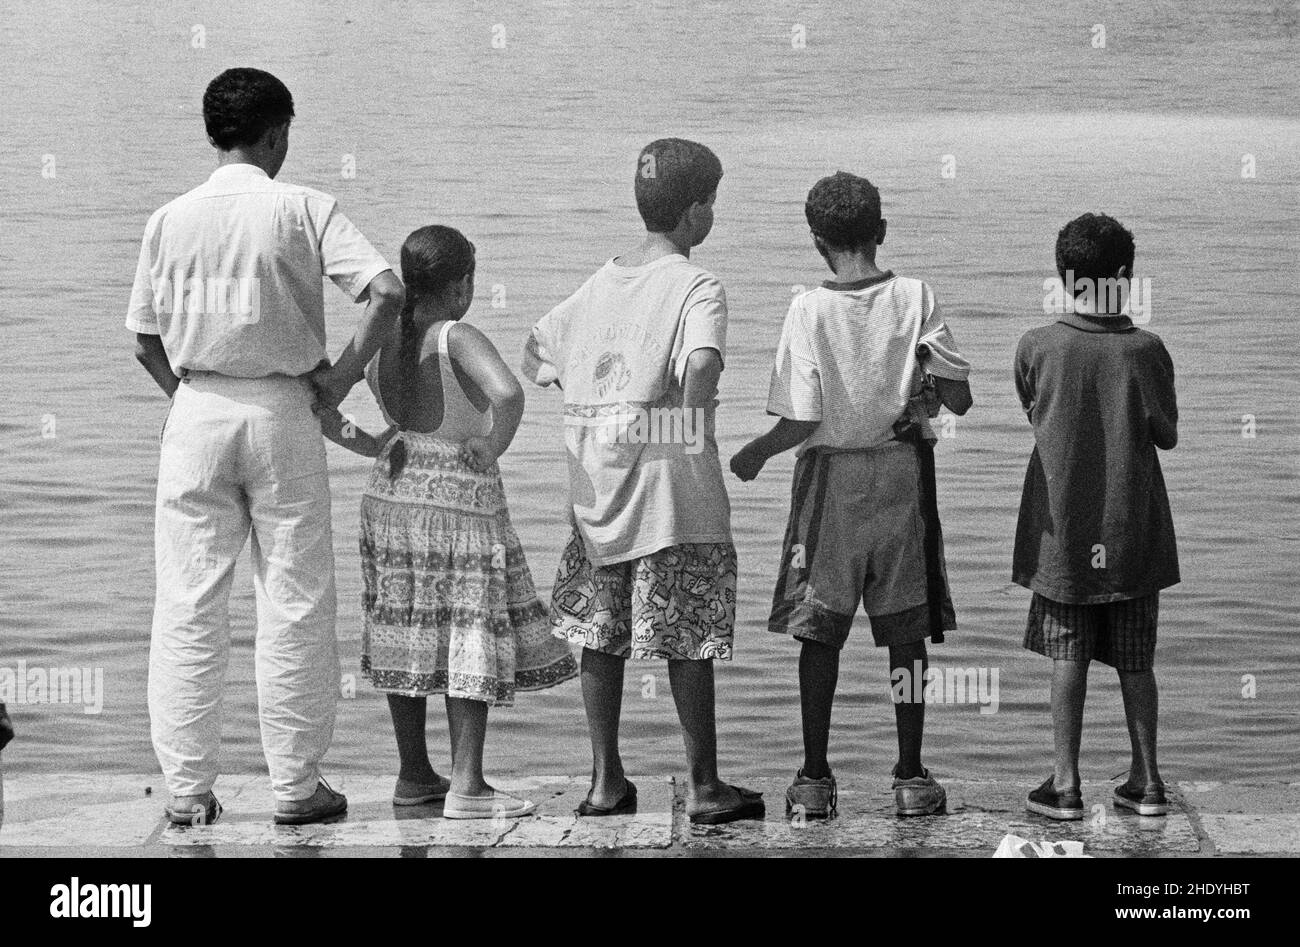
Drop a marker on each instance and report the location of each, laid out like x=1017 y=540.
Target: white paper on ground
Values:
x=1013 y=846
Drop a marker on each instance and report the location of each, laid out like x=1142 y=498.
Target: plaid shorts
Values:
x=678 y=602
x=1121 y=634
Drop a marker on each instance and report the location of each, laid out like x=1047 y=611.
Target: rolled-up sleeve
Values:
x=141 y=312
x=347 y=257
x=795 y=390
x=943 y=358
x=704 y=323
x=539 y=365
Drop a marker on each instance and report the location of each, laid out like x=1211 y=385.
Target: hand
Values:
x=478 y=454
x=929 y=397
x=325 y=411
x=332 y=422
x=747 y=463
x=6 y=728
x=331 y=387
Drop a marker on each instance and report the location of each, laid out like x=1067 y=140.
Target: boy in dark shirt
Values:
x=1095 y=539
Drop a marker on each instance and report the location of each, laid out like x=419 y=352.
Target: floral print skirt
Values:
x=448 y=600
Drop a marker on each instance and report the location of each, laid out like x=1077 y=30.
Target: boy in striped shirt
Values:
x=863 y=362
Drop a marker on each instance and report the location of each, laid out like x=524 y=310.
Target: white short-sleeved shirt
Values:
x=230 y=274
x=643 y=475
x=848 y=358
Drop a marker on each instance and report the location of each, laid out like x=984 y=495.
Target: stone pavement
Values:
x=114 y=816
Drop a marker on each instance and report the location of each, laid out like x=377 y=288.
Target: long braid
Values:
x=433 y=257
x=408 y=371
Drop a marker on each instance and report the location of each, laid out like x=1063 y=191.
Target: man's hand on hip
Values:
x=331 y=385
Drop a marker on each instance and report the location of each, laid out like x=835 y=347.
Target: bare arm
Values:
x=346 y=434
x=382 y=311
x=478 y=358
x=149 y=353
x=785 y=434
x=700 y=381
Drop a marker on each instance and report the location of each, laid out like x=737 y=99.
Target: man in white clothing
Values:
x=228 y=311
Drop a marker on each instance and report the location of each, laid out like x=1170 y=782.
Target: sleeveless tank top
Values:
x=460 y=419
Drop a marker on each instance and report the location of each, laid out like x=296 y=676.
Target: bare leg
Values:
x=1069 y=688
x=1141 y=710
x=454 y=721
x=909 y=714
x=468 y=720
x=409 y=714
x=819 y=672
x=602 y=694
x=692 y=684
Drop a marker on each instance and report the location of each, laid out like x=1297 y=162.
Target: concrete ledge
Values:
x=113 y=816
x=979 y=815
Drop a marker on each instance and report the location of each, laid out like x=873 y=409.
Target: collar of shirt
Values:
x=237 y=169
x=859 y=283
x=1090 y=323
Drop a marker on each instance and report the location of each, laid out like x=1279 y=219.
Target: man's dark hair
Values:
x=241 y=104
x=1093 y=247
x=671 y=175
x=843 y=210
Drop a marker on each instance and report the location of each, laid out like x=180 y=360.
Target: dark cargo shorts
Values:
x=856 y=534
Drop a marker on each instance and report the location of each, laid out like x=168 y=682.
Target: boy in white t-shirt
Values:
x=863 y=363
x=650 y=569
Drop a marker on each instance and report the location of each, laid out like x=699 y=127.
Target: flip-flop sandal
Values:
x=195 y=815
x=750 y=807
x=625 y=806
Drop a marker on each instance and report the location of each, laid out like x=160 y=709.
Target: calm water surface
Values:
x=530 y=149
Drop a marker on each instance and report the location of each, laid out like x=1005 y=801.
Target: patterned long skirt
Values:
x=449 y=603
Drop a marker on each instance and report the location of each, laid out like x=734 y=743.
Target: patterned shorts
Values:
x=1121 y=634
x=677 y=603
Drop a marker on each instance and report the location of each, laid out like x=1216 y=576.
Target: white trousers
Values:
x=241 y=455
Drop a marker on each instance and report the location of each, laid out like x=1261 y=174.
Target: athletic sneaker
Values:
x=1143 y=801
x=324 y=804
x=1064 y=806
x=920 y=795
x=814 y=798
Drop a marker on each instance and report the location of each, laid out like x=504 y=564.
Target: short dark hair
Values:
x=843 y=210
x=1094 y=247
x=241 y=104
x=671 y=175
